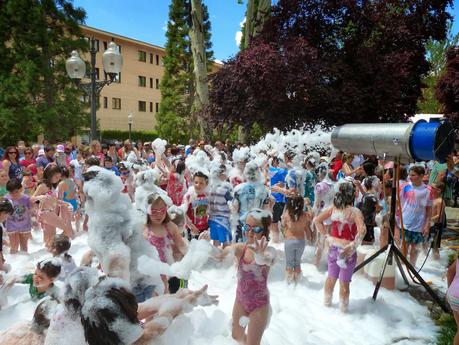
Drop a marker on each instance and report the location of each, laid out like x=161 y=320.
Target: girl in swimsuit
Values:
x=347 y=232
x=52 y=213
x=252 y=296
x=68 y=192
x=162 y=233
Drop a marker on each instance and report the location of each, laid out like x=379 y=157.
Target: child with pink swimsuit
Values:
x=251 y=307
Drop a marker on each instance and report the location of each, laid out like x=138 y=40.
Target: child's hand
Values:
x=205 y=235
x=261 y=246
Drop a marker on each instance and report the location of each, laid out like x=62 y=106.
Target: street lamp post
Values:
x=112 y=62
x=130 y=125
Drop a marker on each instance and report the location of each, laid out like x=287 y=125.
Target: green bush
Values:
x=447 y=329
x=123 y=135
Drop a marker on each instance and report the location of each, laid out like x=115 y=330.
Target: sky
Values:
x=145 y=20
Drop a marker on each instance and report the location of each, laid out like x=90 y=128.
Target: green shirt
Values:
x=3 y=191
x=33 y=291
x=436 y=169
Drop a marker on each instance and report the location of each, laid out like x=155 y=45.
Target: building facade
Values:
x=136 y=89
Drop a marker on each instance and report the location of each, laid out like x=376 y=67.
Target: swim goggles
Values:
x=255 y=229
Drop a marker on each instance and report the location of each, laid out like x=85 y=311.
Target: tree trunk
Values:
x=199 y=62
x=263 y=11
x=249 y=23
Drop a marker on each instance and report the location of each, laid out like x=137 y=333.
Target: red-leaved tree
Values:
x=448 y=86
x=337 y=61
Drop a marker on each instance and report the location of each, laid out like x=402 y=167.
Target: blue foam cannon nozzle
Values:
x=432 y=140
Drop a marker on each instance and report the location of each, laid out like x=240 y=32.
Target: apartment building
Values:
x=136 y=90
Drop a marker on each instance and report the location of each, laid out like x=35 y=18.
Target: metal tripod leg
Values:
x=381 y=276
x=382 y=250
x=400 y=268
x=422 y=281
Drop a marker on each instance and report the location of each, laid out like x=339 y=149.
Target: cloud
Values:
x=218 y=61
x=238 y=36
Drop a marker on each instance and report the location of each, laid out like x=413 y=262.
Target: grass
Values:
x=447 y=329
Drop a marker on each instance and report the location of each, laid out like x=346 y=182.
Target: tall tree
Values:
x=436 y=56
x=36 y=96
x=176 y=119
x=335 y=61
x=448 y=86
x=198 y=49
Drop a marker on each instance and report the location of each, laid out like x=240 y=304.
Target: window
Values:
x=116 y=103
x=142 y=56
x=105 y=45
x=142 y=106
x=157 y=60
x=119 y=48
x=151 y=107
x=105 y=102
x=118 y=78
x=157 y=84
x=97 y=74
x=157 y=107
x=142 y=81
x=97 y=45
x=151 y=83
x=151 y=58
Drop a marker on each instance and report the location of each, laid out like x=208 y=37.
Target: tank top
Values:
x=15 y=171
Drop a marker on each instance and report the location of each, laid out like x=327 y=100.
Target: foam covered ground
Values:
x=298 y=316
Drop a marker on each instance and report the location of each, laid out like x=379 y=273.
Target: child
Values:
x=219 y=211
x=438 y=219
x=41 y=282
x=3 y=180
x=68 y=192
x=255 y=259
x=108 y=164
x=197 y=203
x=6 y=209
x=177 y=185
x=165 y=236
x=370 y=206
x=59 y=248
x=28 y=182
x=347 y=233
x=19 y=224
x=296 y=223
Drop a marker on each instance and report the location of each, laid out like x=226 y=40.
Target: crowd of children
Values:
x=334 y=204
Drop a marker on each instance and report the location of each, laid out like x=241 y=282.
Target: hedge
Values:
x=143 y=136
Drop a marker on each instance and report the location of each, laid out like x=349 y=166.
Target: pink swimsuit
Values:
x=161 y=243
x=252 y=290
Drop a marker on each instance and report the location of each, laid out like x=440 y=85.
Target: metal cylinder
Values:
x=391 y=139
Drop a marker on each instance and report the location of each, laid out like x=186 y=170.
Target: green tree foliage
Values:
x=436 y=55
x=175 y=120
x=36 y=96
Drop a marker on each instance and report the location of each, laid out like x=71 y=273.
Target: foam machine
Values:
x=400 y=142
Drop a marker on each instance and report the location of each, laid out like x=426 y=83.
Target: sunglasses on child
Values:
x=255 y=229
x=161 y=210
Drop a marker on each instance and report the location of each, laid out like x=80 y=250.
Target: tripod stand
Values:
x=395 y=253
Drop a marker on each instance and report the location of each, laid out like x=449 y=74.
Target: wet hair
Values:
x=440 y=185
x=92 y=161
x=347 y=156
x=263 y=217
x=108 y=159
x=294 y=206
x=61 y=243
x=403 y=175
x=180 y=166
x=6 y=206
x=65 y=172
x=369 y=168
x=50 y=267
x=345 y=195
x=42 y=315
x=418 y=170
x=48 y=148
x=369 y=182
x=202 y=175
x=97 y=328
x=13 y=185
x=48 y=174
